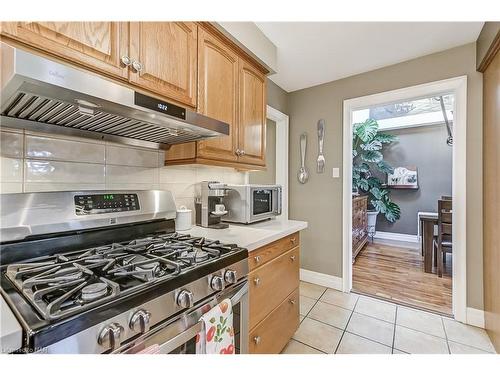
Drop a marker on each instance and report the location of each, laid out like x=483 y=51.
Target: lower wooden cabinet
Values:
x=273 y=333
x=274 y=297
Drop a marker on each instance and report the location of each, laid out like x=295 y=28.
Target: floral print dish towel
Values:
x=218 y=335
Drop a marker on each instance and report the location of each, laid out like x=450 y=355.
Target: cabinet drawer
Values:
x=266 y=253
x=270 y=284
x=274 y=332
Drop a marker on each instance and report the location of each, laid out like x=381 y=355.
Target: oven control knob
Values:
x=140 y=321
x=185 y=299
x=216 y=283
x=110 y=335
x=230 y=276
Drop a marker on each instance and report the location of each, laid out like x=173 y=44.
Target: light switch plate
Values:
x=335 y=172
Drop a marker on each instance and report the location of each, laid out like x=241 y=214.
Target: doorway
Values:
x=398 y=249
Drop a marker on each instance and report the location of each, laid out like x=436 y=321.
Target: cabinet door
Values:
x=96 y=45
x=166 y=52
x=252 y=119
x=271 y=283
x=218 y=94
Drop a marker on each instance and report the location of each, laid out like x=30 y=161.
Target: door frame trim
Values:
x=457 y=86
x=282 y=129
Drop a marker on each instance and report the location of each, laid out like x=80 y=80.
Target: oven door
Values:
x=265 y=202
x=178 y=336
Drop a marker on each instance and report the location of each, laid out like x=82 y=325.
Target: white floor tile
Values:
x=376 y=309
x=311 y=290
x=420 y=321
x=345 y=300
x=318 y=335
x=353 y=344
x=371 y=328
x=306 y=305
x=457 y=348
x=295 y=347
x=330 y=314
x=415 y=342
x=468 y=335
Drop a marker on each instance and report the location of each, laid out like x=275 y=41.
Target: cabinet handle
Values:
x=292 y=257
x=126 y=60
x=238 y=152
x=256 y=339
x=257 y=258
x=137 y=65
x=293 y=240
x=292 y=301
x=256 y=281
x=242 y=152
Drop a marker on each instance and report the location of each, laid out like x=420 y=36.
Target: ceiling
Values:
x=311 y=53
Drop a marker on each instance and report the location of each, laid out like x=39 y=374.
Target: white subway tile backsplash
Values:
x=33 y=161
x=59 y=171
x=132 y=186
x=11 y=170
x=186 y=174
x=179 y=190
x=123 y=174
x=31 y=187
x=11 y=187
x=129 y=156
x=62 y=149
x=11 y=144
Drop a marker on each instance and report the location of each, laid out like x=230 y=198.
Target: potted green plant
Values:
x=367 y=159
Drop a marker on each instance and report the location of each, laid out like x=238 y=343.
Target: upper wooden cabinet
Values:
x=188 y=63
x=163 y=58
x=96 y=45
x=252 y=120
x=218 y=94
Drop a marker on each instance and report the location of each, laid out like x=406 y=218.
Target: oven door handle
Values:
x=180 y=339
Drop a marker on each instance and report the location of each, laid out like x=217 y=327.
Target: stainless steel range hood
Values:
x=43 y=95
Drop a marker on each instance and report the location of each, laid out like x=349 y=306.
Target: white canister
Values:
x=183 y=219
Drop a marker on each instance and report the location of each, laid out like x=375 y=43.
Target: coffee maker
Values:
x=209 y=205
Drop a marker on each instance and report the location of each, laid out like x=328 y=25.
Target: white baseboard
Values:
x=475 y=317
x=396 y=239
x=322 y=279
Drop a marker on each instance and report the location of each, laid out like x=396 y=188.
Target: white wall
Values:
x=33 y=161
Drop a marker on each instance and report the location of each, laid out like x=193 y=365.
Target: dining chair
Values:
x=443 y=241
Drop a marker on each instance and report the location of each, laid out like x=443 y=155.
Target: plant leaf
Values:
x=384 y=167
x=366 y=130
x=362 y=184
x=374 y=182
x=375 y=191
x=354 y=153
x=372 y=156
x=393 y=212
x=373 y=145
x=385 y=138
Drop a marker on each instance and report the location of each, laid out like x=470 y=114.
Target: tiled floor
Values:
x=336 y=322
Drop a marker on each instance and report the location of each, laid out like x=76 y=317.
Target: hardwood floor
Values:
x=397 y=274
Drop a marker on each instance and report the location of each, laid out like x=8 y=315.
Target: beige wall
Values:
x=277 y=97
x=485 y=39
x=320 y=200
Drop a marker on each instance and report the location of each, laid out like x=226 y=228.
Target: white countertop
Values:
x=251 y=236
x=11 y=332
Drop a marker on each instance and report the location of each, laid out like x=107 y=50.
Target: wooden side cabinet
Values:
x=359 y=224
x=274 y=295
x=163 y=59
x=96 y=45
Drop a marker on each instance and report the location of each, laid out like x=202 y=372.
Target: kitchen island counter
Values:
x=252 y=236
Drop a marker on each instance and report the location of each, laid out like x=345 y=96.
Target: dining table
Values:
x=427 y=222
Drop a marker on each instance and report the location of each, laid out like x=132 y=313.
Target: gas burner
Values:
x=71 y=282
x=94 y=291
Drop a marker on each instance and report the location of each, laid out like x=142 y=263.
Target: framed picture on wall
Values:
x=403 y=178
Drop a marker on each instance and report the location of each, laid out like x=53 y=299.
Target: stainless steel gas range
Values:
x=105 y=272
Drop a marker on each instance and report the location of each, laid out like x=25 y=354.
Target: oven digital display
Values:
x=105 y=203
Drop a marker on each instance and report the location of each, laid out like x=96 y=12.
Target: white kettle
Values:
x=183 y=219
